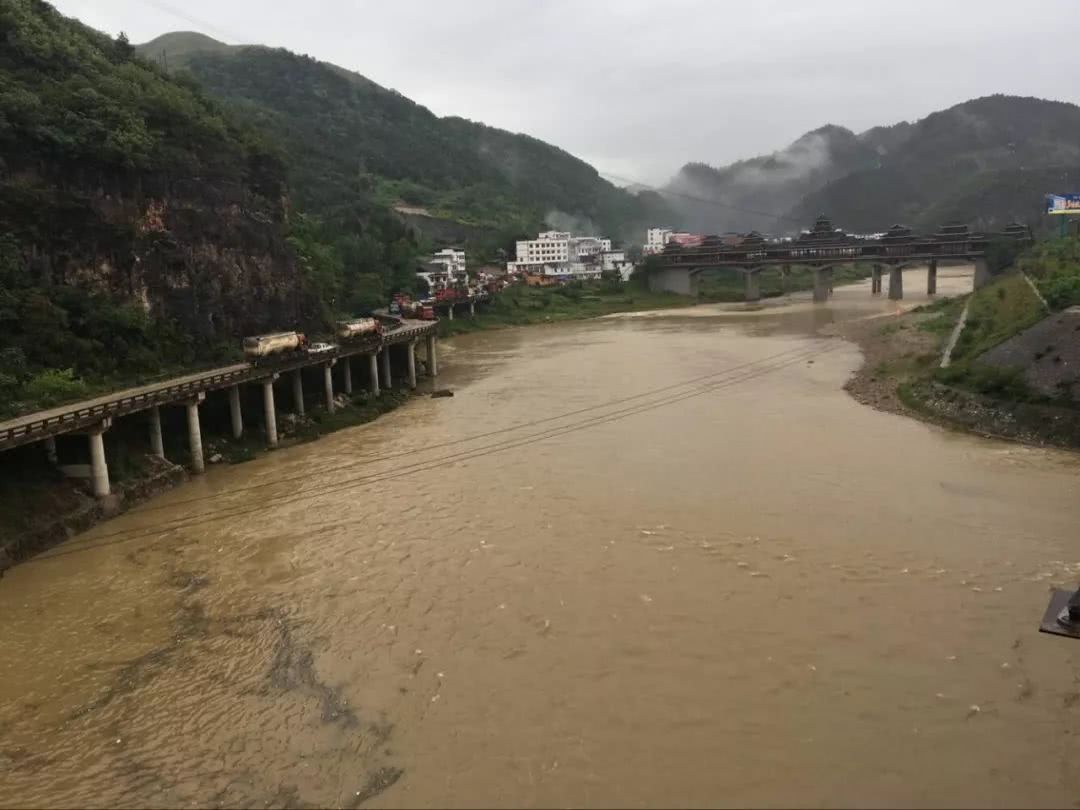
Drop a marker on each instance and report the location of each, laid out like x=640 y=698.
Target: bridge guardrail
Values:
x=30 y=430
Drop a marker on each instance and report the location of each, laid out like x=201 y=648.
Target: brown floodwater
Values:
x=658 y=559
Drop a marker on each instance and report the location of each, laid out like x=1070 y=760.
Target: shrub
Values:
x=55 y=386
x=993 y=381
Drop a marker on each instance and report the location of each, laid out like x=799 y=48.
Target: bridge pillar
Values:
x=328 y=385
x=235 y=414
x=432 y=359
x=875 y=280
x=829 y=277
x=411 y=357
x=347 y=374
x=269 y=414
x=753 y=286
x=982 y=274
x=821 y=285
x=931 y=278
x=896 y=283
x=50 y=450
x=298 y=392
x=157 y=445
x=99 y=469
x=195 y=434
x=472 y=309
x=679 y=281
x=387 y=377
x=373 y=373
x=785 y=274
x=450 y=312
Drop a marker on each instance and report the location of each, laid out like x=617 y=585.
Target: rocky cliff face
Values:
x=123 y=189
x=210 y=257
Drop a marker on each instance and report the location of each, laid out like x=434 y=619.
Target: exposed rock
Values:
x=442 y=392
x=1048 y=353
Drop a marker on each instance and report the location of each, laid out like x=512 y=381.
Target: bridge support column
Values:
x=982 y=273
x=829 y=277
x=931 y=278
x=99 y=469
x=373 y=373
x=896 y=283
x=328 y=384
x=875 y=280
x=821 y=285
x=298 y=392
x=195 y=434
x=269 y=414
x=157 y=445
x=347 y=374
x=472 y=309
x=753 y=287
x=411 y=357
x=235 y=414
x=785 y=274
x=50 y=450
x=450 y=312
x=432 y=359
x=387 y=377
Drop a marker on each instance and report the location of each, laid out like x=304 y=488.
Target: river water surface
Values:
x=649 y=560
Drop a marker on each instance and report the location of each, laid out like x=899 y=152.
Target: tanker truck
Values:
x=262 y=348
x=356 y=329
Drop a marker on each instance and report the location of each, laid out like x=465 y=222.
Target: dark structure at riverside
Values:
x=94 y=417
x=823 y=248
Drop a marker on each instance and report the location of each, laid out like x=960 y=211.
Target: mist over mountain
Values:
x=987 y=162
x=347 y=134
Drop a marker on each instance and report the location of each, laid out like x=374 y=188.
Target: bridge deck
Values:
x=39 y=425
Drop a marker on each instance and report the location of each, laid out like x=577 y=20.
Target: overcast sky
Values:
x=638 y=88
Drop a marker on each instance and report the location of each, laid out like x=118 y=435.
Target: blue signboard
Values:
x=1063 y=204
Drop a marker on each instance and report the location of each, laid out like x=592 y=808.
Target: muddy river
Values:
x=659 y=559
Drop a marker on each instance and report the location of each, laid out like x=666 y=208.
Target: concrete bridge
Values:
x=824 y=248
x=94 y=417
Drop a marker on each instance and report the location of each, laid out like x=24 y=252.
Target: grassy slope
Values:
x=1055 y=266
x=997 y=312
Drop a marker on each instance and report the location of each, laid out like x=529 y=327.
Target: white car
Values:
x=321 y=348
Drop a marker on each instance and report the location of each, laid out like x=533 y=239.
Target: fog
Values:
x=640 y=88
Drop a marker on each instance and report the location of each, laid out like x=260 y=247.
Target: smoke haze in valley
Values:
x=640 y=88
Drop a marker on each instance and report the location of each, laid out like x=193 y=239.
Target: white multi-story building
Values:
x=655 y=239
x=615 y=260
x=560 y=253
x=446 y=268
x=453 y=260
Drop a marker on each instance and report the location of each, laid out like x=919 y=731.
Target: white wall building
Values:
x=655 y=239
x=615 y=260
x=560 y=253
x=445 y=268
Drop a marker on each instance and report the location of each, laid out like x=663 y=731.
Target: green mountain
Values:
x=140 y=227
x=985 y=162
x=173 y=51
x=344 y=131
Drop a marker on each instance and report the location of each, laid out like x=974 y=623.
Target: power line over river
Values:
x=653 y=559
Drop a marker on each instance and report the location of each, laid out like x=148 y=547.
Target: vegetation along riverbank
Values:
x=521 y=305
x=1014 y=371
